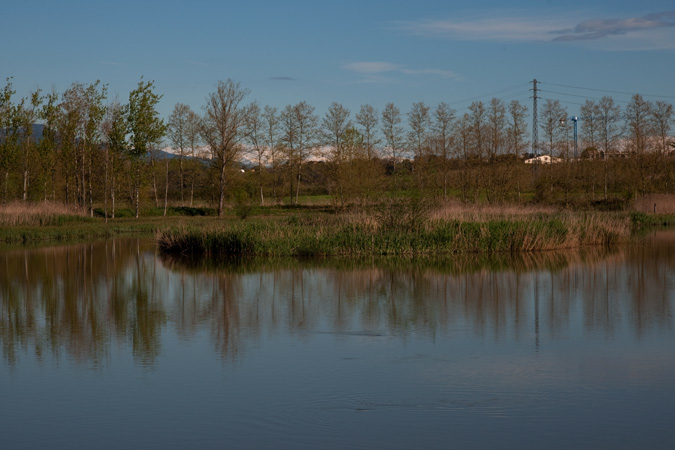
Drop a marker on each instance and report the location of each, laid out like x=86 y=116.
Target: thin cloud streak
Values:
x=374 y=68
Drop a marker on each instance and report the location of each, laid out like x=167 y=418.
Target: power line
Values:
x=498 y=91
x=564 y=101
x=611 y=92
x=581 y=96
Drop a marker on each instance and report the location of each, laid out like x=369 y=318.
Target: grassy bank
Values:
x=363 y=235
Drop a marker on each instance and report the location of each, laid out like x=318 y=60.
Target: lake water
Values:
x=112 y=346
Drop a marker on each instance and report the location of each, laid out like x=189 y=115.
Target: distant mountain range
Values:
x=37 y=131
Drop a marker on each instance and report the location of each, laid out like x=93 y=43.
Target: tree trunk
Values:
x=297 y=186
x=166 y=187
x=192 y=190
x=112 y=188
x=180 y=166
x=154 y=180
x=91 y=196
x=221 y=200
x=105 y=187
x=137 y=183
x=25 y=185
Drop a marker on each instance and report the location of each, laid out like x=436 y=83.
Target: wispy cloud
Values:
x=375 y=69
x=110 y=63
x=601 y=28
x=653 y=31
x=487 y=29
x=282 y=78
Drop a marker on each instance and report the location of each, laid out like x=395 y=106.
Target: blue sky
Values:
x=351 y=52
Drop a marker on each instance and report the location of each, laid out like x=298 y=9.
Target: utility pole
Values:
x=535 y=124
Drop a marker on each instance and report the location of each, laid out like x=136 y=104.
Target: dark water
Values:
x=109 y=345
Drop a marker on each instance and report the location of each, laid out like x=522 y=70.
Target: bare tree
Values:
x=590 y=123
x=271 y=123
x=181 y=132
x=443 y=124
x=255 y=135
x=367 y=120
x=299 y=132
x=496 y=127
x=516 y=128
x=663 y=120
x=333 y=127
x=552 y=118
x=224 y=129
x=477 y=128
x=419 y=121
x=392 y=131
x=609 y=128
x=194 y=140
x=638 y=115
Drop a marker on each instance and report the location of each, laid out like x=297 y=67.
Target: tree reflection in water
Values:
x=78 y=300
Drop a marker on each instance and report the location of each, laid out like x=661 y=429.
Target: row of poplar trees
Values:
x=93 y=152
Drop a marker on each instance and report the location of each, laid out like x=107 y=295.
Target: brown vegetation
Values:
x=36 y=214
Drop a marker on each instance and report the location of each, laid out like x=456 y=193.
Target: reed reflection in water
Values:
x=496 y=337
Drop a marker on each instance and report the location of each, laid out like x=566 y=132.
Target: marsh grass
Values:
x=363 y=234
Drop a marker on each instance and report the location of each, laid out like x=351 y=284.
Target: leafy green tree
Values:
x=145 y=129
x=80 y=115
x=27 y=115
x=8 y=134
x=94 y=95
x=48 y=146
x=115 y=128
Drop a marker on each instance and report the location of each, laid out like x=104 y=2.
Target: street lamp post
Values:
x=563 y=122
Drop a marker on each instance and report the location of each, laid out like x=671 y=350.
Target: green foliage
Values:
x=243 y=204
x=145 y=125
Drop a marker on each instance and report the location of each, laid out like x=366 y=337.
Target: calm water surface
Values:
x=112 y=346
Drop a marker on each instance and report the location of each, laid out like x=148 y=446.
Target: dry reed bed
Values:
x=37 y=214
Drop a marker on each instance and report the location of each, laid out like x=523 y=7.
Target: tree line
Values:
x=101 y=154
